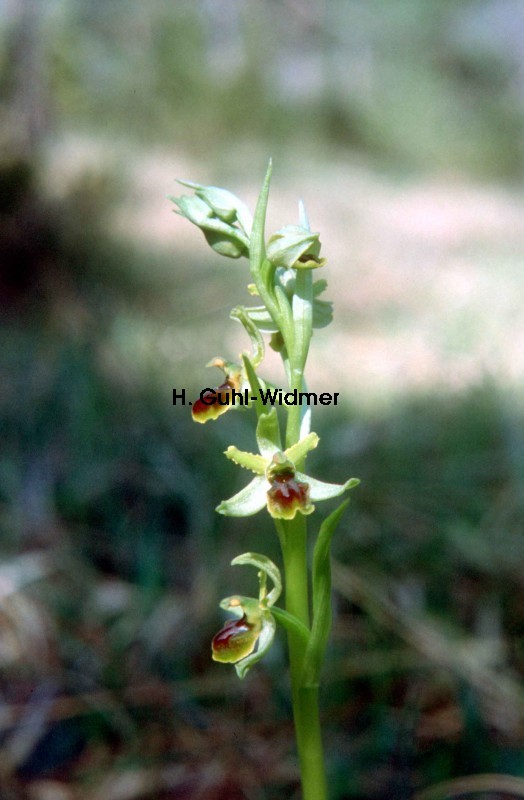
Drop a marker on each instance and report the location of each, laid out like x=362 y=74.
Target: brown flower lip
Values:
x=213 y=403
x=236 y=640
x=287 y=495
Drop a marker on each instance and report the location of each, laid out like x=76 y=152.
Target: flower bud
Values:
x=296 y=247
x=224 y=238
x=224 y=204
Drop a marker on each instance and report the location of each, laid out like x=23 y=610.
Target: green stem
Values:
x=293 y=540
x=295 y=325
x=311 y=754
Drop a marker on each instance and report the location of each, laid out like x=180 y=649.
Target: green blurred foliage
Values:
x=428 y=85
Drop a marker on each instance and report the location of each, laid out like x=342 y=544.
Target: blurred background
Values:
x=400 y=124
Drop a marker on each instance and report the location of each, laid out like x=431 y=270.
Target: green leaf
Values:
x=254 y=385
x=261 y=269
x=321 y=586
x=291 y=623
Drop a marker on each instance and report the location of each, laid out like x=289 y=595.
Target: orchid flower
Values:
x=278 y=483
x=243 y=641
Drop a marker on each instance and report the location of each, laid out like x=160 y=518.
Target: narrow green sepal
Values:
x=320 y=490
x=248 y=501
x=266 y=566
x=268 y=433
x=225 y=242
x=193 y=209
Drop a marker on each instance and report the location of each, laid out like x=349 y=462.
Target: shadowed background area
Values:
x=400 y=124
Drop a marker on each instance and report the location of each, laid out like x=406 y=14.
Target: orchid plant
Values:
x=289 y=308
